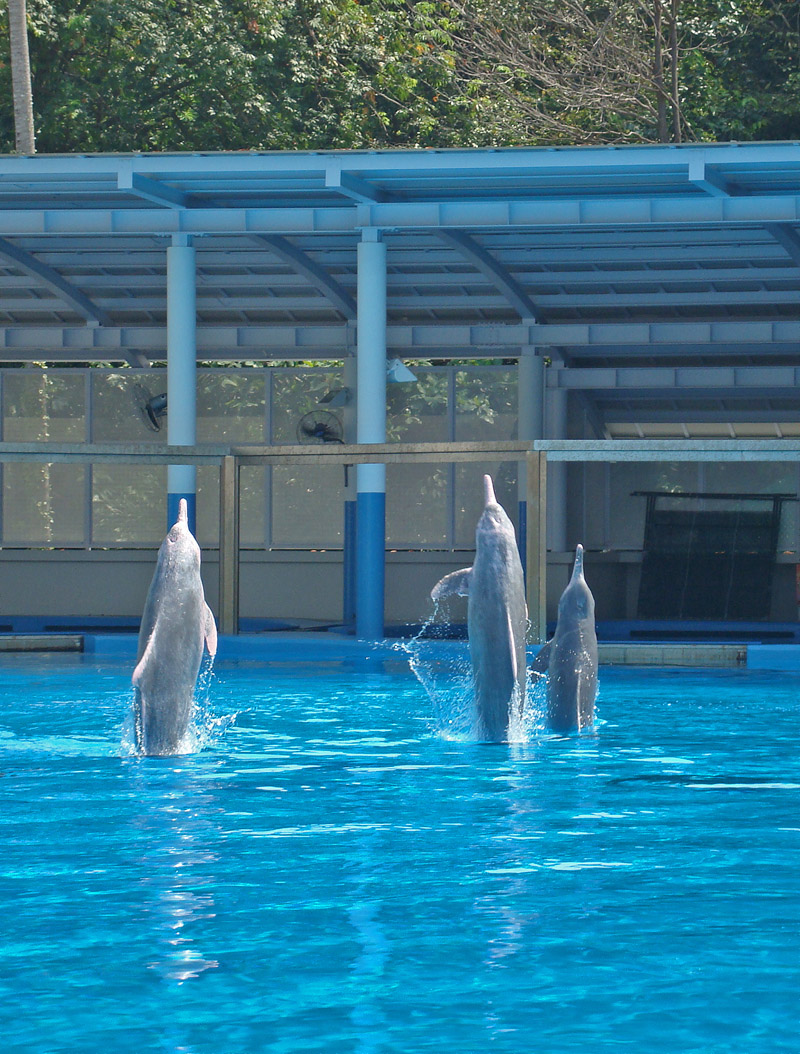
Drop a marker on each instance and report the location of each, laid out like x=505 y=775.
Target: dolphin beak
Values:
x=577 y=570
x=183 y=511
x=488 y=491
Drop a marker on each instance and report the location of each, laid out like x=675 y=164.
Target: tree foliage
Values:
x=142 y=75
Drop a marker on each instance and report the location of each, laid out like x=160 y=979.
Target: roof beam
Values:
x=786 y=236
x=500 y=278
x=319 y=278
x=65 y=291
x=559 y=214
x=151 y=189
x=353 y=187
x=707 y=179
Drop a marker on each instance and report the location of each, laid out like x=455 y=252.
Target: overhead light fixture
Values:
x=398 y=372
x=336 y=397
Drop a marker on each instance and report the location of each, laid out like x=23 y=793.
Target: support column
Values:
x=557 y=470
x=530 y=425
x=371 y=428
x=181 y=374
x=350 y=381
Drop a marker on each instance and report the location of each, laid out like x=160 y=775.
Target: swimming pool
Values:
x=333 y=872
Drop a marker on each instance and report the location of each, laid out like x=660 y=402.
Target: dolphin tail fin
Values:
x=210 y=632
x=541 y=663
x=456 y=582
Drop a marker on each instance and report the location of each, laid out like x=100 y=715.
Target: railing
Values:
x=532 y=457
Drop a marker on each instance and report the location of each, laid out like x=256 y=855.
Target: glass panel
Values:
x=296 y=393
x=129 y=504
x=486 y=404
x=307 y=507
x=207 y=505
x=418 y=496
x=43 y=504
x=486 y=409
x=627 y=513
x=252 y=508
x=230 y=406
x=594 y=505
x=469 y=496
x=776 y=477
x=42 y=407
x=118 y=406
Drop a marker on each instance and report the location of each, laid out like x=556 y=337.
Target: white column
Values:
x=530 y=425
x=371 y=428
x=181 y=373
x=556 y=470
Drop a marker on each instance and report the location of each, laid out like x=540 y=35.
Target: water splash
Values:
x=446 y=676
x=206 y=727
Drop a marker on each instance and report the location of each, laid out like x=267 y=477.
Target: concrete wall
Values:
x=291 y=585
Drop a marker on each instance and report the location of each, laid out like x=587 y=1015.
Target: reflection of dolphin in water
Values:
x=175 y=624
x=570 y=657
x=496 y=617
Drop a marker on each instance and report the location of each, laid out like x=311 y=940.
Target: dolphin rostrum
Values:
x=497 y=618
x=175 y=624
x=570 y=657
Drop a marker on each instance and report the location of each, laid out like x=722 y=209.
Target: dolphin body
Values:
x=175 y=624
x=497 y=618
x=570 y=657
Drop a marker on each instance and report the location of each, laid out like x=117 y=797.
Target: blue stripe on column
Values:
x=370 y=549
x=173 y=501
x=522 y=537
x=349 y=564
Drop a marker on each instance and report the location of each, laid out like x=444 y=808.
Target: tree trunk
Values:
x=658 y=73
x=21 y=77
x=673 y=50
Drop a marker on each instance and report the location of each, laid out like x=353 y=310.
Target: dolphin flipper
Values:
x=541 y=664
x=456 y=582
x=210 y=633
x=142 y=663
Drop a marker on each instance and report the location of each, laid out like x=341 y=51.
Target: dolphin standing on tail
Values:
x=570 y=657
x=497 y=618
x=175 y=624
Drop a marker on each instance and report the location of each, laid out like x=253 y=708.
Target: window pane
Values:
x=129 y=504
x=307 y=507
x=230 y=406
x=418 y=496
x=118 y=400
x=44 y=407
x=43 y=504
x=298 y=392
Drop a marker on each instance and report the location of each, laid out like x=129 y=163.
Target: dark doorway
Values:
x=709 y=556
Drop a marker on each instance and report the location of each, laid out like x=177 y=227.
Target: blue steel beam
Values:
x=319 y=278
x=507 y=215
x=488 y=266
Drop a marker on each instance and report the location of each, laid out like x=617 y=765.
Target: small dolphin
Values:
x=570 y=657
x=497 y=618
x=175 y=624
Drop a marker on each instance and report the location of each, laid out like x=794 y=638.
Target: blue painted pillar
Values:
x=530 y=425
x=181 y=373
x=350 y=381
x=371 y=428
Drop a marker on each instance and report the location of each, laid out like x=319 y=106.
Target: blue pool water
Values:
x=336 y=871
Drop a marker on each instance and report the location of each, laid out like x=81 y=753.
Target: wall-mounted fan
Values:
x=319 y=426
x=150 y=408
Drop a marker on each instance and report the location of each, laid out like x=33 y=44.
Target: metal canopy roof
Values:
x=666 y=278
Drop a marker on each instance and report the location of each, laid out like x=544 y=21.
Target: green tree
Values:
x=120 y=75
